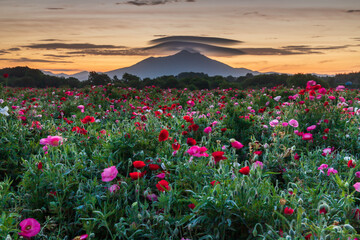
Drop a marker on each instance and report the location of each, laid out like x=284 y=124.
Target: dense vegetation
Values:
x=26 y=77
x=106 y=162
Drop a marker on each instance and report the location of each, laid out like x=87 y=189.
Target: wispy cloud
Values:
x=49 y=46
x=198 y=39
x=353 y=11
x=53 y=8
x=58 y=56
x=152 y=2
x=2 y=52
x=32 y=60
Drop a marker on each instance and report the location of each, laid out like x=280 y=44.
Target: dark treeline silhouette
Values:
x=27 y=77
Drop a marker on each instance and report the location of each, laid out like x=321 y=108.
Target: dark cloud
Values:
x=152 y=2
x=55 y=8
x=171 y=46
x=112 y=52
x=32 y=60
x=49 y=46
x=14 y=49
x=353 y=11
x=254 y=13
x=356 y=39
x=2 y=52
x=197 y=39
x=292 y=50
x=57 y=56
x=51 y=40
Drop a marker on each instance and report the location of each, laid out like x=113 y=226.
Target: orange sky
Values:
x=274 y=35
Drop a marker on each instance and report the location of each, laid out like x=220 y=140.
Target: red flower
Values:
x=351 y=163
x=39 y=165
x=308 y=237
x=326 y=130
x=175 y=145
x=88 y=119
x=5 y=75
x=139 y=164
x=164 y=135
x=213 y=183
x=322 y=211
x=223 y=129
x=193 y=127
x=218 y=156
x=258 y=153
x=163 y=185
x=191 y=142
x=297 y=156
x=135 y=175
x=288 y=211
x=153 y=167
x=245 y=170
x=191 y=206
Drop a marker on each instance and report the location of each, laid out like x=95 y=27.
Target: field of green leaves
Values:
x=114 y=163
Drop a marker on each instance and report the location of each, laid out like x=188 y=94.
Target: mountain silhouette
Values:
x=183 y=61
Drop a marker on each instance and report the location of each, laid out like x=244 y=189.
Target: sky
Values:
x=288 y=36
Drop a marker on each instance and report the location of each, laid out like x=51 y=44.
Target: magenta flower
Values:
x=190 y=103
x=208 y=130
x=152 y=197
x=236 y=144
x=307 y=136
x=293 y=123
x=197 y=151
x=161 y=175
x=52 y=141
x=312 y=127
x=285 y=124
x=331 y=170
x=109 y=174
x=323 y=166
x=81 y=107
x=29 y=228
x=357 y=186
x=357 y=174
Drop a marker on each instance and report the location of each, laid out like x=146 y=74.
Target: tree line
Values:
x=27 y=77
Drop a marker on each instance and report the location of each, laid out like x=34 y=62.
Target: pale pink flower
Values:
x=273 y=123
x=114 y=188
x=109 y=174
x=52 y=141
x=258 y=164
x=81 y=107
x=277 y=98
x=293 y=123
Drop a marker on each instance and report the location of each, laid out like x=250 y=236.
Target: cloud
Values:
x=14 y=49
x=112 y=52
x=207 y=40
x=292 y=50
x=32 y=60
x=152 y=2
x=53 y=8
x=58 y=56
x=353 y=11
x=2 y=52
x=50 y=46
x=50 y=40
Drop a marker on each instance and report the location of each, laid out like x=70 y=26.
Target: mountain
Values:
x=183 y=61
x=82 y=76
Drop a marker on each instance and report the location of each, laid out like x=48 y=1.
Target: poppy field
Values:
x=105 y=162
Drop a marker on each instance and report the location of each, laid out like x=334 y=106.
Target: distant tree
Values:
x=98 y=78
x=127 y=77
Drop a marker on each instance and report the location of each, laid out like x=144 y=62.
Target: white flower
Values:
x=4 y=111
x=277 y=98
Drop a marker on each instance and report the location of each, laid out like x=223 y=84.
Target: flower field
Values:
x=113 y=163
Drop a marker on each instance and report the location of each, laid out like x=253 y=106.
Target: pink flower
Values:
x=258 y=164
x=293 y=123
x=161 y=175
x=307 y=136
x=332 y=97
x=285 y=124
x=331 y=170
x=114 y=188
x=357 y=186
x=273 y=123
x=109 y=174
x=340 y=88
x=277 y=98
x=197 y=151
x=208 y=130
x=326 y=151
x=51 y=140
x=312 y=127
x=190 y=103
x=357 y=174
x=29 y=228
x=81 y=107
x=236 y=144
x=323 y=166
x=152 y=197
